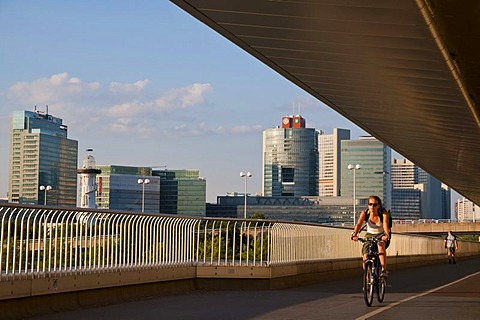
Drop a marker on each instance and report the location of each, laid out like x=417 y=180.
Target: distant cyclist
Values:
x=451 y=245
x=377 y=226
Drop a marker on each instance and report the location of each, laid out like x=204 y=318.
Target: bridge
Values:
x=412 y=63
x=437 y=227
x=435 y=292
x=406 y=72
x=51 y=258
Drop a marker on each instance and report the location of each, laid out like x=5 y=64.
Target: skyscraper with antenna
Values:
x=42 y=158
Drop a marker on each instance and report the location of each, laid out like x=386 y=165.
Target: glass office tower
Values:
x=183 y=192
x=41 y=155
x=290 y=159
x=417 y=194
x=406 y=192
x=118 y=189
x=373 y=178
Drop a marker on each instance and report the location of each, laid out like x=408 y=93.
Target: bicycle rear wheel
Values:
x=368 y=283
x=382 y=285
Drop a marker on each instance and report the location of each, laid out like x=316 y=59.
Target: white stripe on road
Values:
x=391 y=305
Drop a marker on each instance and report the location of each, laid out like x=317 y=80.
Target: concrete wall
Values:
x=29 y=297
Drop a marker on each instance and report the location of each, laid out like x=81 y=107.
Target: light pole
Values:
x=43 y=188
x=143 y=182
x=246 y=176
x=354 y=167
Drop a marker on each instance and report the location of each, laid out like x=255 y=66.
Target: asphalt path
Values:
x=432 y=292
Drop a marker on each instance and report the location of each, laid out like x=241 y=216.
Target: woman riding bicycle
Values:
x=377 y=227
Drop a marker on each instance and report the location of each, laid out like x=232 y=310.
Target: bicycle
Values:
x=372 y=280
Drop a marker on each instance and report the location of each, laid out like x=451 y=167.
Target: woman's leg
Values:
x=383 y=255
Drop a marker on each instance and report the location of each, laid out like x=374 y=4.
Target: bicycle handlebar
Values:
x=372 y=239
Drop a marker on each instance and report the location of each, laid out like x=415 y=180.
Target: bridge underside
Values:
x=407 y=72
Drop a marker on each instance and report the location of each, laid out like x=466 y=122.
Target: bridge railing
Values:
x=39 y=242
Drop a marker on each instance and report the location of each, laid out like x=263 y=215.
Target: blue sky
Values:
x=145 y=84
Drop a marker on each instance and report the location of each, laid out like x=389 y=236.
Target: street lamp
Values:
x=143 y=182
x=43 y=188
x=246 y=176
x=354 y=167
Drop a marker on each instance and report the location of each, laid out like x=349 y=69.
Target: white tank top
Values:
x=374 y=228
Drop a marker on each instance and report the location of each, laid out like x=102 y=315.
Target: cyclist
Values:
x=377 y=226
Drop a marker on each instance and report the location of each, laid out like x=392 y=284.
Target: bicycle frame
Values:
x=372 y=270
x=374 y=256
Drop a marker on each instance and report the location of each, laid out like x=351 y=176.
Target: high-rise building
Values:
x=182 y=192
x=329 y=150
x=119 y=189
x=128 y=188
x=416 y=194
x=406 y=192
x=446 y=202
x=290 y=159
x=373 y=177
x=42 y=159
x=466 y=210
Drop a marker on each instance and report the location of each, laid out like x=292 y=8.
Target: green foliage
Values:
x=469 y=237
x=258 y=215
x=220 y=243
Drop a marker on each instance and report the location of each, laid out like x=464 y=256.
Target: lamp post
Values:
x=246 y=176
x=43 y=188
x=354 y=167
x=143 y=182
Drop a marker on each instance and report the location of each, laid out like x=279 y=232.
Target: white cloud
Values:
x=183 y=98
x=128 y=109
x=246 y=129
x=201 y=128
x=123 y=108
x=128 y=88
x=59 y=88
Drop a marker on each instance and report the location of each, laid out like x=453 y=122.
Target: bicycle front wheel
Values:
x=368 y=283
x=382 y=284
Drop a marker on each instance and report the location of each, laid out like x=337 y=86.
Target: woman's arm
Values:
x=359 y=224
x=385 y=224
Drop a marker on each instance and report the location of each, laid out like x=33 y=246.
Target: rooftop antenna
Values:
x=46 y=106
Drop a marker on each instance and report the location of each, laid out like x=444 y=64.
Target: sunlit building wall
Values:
x=290 y=159
x=406 y=193
x=466 y=210
x=329 y=171
x=41 y=154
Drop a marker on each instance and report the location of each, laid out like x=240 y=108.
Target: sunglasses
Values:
x=373 y=204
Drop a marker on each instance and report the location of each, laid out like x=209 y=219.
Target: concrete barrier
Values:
x=30 y=297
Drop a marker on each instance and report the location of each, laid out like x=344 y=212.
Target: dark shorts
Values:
x=451 y=249
x=377 y=236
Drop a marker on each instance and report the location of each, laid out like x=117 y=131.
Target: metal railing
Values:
x=39 y=241
x=429 y=221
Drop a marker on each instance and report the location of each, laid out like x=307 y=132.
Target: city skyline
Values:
x=146 y=86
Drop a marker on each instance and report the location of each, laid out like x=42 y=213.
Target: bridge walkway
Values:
x=428 y=292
